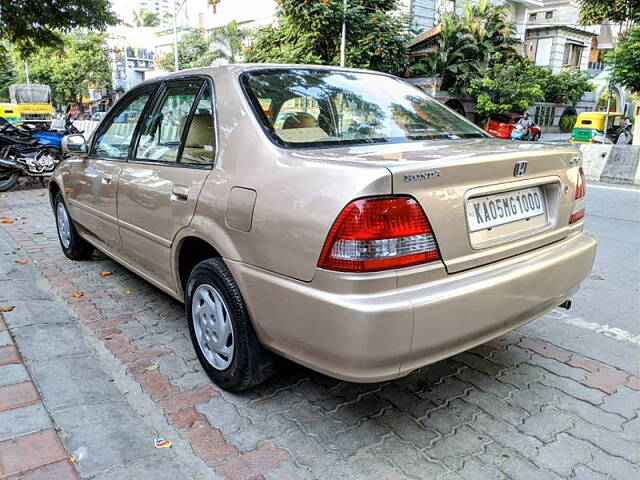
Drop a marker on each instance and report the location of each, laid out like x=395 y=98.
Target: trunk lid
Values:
x=452 y=177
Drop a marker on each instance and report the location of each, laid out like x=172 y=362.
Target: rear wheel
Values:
x=73 y=246
x=536 y=137
x=8 y=180
x=221 y=330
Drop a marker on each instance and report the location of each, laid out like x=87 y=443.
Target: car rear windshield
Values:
x=311 y=108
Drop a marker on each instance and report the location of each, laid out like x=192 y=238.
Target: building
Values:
x=554 y=38
x=162 y=8
x=216 y=13
x=131 y=55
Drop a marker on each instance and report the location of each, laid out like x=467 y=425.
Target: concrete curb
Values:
x=611 y=163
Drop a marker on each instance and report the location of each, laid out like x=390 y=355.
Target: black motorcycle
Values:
x=23 y=153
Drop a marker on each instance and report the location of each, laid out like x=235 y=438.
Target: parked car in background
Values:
x=500 y=125
x=340 y=218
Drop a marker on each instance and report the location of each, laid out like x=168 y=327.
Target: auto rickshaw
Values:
x=590 y=127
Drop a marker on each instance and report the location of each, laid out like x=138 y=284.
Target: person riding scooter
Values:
x=522 y=128
x=525 y=123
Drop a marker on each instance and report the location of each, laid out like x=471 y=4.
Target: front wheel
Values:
x=8 y=179
x=73 y=245
x=221 y=330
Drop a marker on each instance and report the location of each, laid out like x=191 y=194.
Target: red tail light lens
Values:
x=374 y=234
x=578 y=207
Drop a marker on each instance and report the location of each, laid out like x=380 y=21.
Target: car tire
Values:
x=73 y=245
x=221 y=331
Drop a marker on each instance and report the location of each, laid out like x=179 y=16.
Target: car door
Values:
x=159 y=187
x=92 y=183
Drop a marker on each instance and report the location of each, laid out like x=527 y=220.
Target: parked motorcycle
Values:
x=28 y=151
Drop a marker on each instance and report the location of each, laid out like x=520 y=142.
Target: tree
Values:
x=616 y=11
x=467 y=43
x=625 y=60
x=506 y=86
x=197 y=48
x=568 y=86
x=8 y=71
x=227 y=42
x=80 y=63
x=145 y=18
x=310 y=32
x=30 y=24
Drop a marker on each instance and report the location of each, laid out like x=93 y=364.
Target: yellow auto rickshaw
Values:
x=10 y=112
x=590 y=127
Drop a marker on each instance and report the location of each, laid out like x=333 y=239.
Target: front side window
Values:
x=163 y=128
x=309 y=108
x=115 y=140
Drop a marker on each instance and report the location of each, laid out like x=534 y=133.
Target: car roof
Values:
x=238 y=68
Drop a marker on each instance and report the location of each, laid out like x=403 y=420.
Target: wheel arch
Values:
x=54 y=189
x=190 y=250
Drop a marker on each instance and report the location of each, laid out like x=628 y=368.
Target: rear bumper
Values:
x=372 y=328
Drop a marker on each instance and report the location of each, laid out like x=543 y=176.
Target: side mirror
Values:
x=74 y=144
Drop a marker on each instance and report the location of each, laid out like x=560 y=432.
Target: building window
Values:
x=572 y=55
x=548 y=14
x=545 y=115
x=532 y=16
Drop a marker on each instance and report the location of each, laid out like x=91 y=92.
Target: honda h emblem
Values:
x=520 y=168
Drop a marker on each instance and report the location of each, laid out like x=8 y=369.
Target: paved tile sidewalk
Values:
x=29 y=444
x=517 y=407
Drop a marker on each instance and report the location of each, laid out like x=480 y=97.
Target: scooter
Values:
x=518 y=133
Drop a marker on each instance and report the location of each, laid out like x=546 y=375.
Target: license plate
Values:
x=493 y=210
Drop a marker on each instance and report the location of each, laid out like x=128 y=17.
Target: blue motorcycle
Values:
x=29 y=151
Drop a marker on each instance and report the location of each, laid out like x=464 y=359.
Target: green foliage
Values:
x=625 y=60
x=567 y=122
x=8 y=72
x=616 y=11
x=309 y=31
x=468 y=42
x=145 y=18
x=506 y=86
x=80 y=63
x=568 y=86
x=514 y=84
x=227 y=42
x=199 y=49
x=30 y=24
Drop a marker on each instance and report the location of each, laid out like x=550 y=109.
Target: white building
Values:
x=162 y=8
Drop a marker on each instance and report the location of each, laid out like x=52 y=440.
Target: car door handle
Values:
x=179 y=193
x=107 y=178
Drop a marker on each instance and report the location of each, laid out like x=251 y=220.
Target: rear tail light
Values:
x=372 y=234
x=578 y=207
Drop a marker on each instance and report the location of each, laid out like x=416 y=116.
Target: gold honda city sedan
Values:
x=340 y=218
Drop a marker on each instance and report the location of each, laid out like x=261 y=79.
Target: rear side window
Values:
x=114 y=140
x=199 y=144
